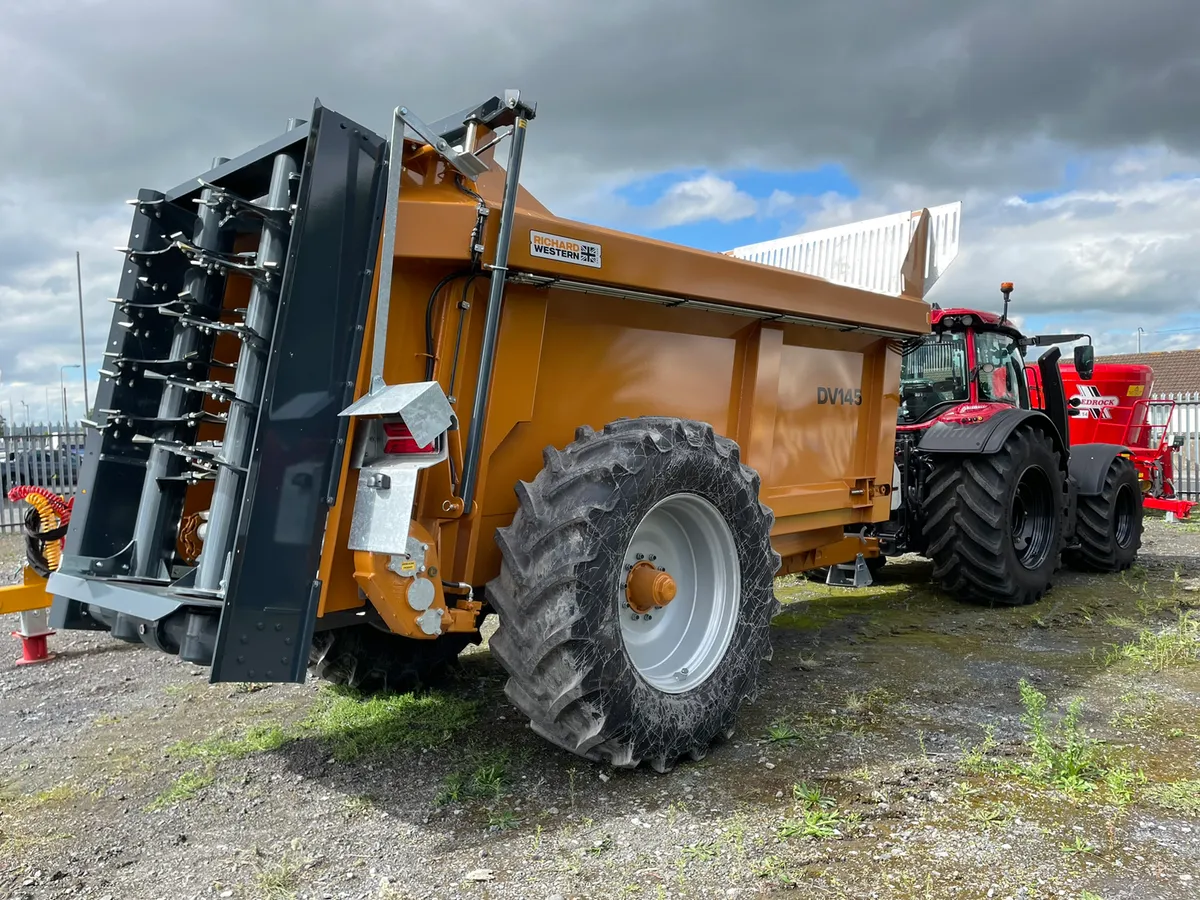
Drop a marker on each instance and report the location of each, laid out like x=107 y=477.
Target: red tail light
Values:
x=400 y=440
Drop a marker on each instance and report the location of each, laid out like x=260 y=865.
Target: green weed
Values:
x=819 y=816
x=811 y=797
x=994 y=814
x=701 y=852
x=781 y=732
x=502 y=820
x=818 y=823
x=978 y=760
x=1068 y=759
x=1079 y=845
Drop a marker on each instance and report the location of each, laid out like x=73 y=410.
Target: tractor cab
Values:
x=969 y=366
x=968 y=358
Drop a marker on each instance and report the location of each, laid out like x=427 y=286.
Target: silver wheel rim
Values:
x=677 y=647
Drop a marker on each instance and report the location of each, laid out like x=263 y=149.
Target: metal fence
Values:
x=46 y=456
x=1184 y=430
x=50 y=457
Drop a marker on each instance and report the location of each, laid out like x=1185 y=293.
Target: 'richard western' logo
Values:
x=563 y=249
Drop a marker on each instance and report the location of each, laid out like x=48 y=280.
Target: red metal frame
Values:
x=1113 y=407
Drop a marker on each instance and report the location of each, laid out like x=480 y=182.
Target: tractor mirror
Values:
x=1085 y=361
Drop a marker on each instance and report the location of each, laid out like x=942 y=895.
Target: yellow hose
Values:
x=49 y=520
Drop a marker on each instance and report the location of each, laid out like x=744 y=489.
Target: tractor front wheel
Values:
x=1109 y=526
x=994 y=523
x=636 y=593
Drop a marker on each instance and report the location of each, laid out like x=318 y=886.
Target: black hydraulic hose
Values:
x=462 y=316
x=433 y=295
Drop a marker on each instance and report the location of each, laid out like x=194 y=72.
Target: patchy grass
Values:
x=258 y=739
x=358 y=805
x=354 y=725
x=281 y=880
x=1180 y=796
x=1158 y=651
x=351 y=724
x=488 y=781
x=58 y=794
x=184 y=788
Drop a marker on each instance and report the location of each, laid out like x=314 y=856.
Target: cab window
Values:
x=999 y=368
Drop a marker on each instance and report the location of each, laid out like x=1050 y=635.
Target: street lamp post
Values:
x=82 y=337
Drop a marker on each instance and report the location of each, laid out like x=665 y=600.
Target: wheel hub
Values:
x=679 y=593
x=648 y=587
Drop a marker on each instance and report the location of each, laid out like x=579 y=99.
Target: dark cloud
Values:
x=922 y=102
x=120 y=94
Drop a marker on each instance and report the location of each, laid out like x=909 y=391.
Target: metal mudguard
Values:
x=1089 y=465
x=985 y=437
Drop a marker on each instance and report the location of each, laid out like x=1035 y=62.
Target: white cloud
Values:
x=701 y=199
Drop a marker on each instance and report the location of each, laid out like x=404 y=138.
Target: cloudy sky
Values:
x=1068 y=128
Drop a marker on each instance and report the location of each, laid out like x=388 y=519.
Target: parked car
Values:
x=47 y=467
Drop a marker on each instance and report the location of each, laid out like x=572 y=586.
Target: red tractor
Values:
x=991 y=486
x=1114 y=406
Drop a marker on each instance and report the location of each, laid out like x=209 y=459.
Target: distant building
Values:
x=1175 y=371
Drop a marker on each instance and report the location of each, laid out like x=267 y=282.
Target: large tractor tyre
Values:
x=994 y=523
x=373 y=660
x=636 y=593
x=1109 y=525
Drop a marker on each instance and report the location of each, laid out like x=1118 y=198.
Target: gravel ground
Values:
x=887 y=758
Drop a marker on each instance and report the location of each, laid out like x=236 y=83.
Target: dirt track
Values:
x=864 y=770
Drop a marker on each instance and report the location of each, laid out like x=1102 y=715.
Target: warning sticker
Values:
x=408 y=566
x=563 y=249
x=1136 y=390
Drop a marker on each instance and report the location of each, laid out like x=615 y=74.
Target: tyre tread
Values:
x=557 y=529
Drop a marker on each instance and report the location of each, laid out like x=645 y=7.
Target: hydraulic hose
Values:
x=45 y=526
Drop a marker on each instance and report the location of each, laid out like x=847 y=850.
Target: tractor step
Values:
x=220 y=373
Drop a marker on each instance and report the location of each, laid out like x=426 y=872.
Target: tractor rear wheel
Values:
x=1109 y=525
x=636 y=592
x=994 y=523
x=372 y=659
